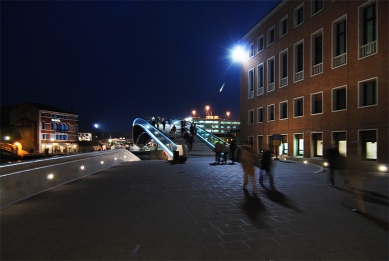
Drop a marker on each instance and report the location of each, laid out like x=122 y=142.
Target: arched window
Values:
x=43 y=126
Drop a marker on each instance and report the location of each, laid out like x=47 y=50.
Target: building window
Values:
x=260 y=44
x=299 y=61
x=261 y=80
x=368 y=29
x=271 y=35
x=284 y=145
x=43 y=125
x=251 y=84
x=260 y=114
x=368 y=93
x=43 y=136
x=284 y=26
x=339 y=138
x=259 y=144
x=340 y=42
x=299 y=144
x=271 y=74
x=317 y=103
x=317 y=143
x=299 y=107
x=270 y=112
x=299 y=15
x=251 y=117
x=284 y=68
x=317 y=53
x=317 y=5
x=339 y=99
x=283 y=110
x=368 y=144
x=251 y=50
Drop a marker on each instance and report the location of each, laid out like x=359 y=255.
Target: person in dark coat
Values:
x=266 y=165
x=232 y=151
x=334 y=161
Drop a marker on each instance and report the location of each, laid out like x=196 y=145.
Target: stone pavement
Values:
x=155 y=210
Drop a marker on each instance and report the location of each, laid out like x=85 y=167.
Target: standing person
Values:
x=218 y=151
x=190 y=141
x=334 y=161
x=163 y=123
x=174 y=130
x=171 y=134
x=248 y=161
x=266 y=165
x=232 y=151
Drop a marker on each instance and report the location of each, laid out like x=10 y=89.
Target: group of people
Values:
x=155 y=122
x=222 y=151
x=249 y=161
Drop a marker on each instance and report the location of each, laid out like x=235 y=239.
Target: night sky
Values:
x=115 y=61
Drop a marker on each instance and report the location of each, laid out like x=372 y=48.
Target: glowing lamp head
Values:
x=239 y=54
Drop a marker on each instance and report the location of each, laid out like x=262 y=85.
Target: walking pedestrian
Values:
x=190 y=142
x=248 y=161
x=174 y=130
x=266 y=166
x=163 y=123
x=334 y=161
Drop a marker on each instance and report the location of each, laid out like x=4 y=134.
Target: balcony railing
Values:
x=298 y=76
x=270 y=87
x=284 y=82
x=260 y=90
x=340 y=60
x=368 y=49
x=251 y=95
x=318 y=68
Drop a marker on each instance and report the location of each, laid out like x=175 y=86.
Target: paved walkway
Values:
x=156 y=210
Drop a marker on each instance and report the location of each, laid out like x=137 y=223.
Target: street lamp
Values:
x=206 y=110
x=239 y=54
x=194 y=113
x=96 y=126
x=228 y=115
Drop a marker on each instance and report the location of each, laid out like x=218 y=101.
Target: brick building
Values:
x=38 y=127
x=317 y=74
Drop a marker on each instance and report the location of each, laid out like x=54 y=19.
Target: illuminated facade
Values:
x=317 y=74
x=223 y=128
x=38 y=127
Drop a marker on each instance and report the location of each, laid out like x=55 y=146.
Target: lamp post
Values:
x=206 y=110
x=228 y=115
x=96 y=126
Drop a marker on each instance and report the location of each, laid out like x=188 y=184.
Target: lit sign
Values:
x=56 y=120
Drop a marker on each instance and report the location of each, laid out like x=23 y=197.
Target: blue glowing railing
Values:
x=164 y=142
x=208 y=138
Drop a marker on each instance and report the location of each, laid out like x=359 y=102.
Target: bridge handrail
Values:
x=209 y=138
x=167 y=144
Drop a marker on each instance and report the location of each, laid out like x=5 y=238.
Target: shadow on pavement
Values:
x=279 y=198
x=252 y=208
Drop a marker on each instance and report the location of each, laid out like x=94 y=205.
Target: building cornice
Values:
x=264 y=19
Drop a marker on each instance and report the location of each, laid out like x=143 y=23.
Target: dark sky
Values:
x=114 y=61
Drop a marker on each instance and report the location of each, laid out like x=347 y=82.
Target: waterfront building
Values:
x=41 y=128
x=225 y=129
x=317 y=75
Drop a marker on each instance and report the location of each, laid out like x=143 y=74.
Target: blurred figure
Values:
x=334 y=160
x=266 y=165
x=248 y=162
x=356 y=177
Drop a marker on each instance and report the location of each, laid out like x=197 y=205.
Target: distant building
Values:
x=40 y=127
x=224 y=128
x=317 y=74
x=85 y=136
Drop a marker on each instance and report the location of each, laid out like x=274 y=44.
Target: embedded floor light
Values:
x=50 y=176
x=82 y=167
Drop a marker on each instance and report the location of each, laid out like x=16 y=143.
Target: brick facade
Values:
x=324 y=120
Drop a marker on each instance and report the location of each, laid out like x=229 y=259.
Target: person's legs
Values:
x=245 y=180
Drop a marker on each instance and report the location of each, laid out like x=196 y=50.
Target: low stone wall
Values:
x=23 y=180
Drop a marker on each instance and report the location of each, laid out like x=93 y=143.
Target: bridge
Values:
x=204 y=142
